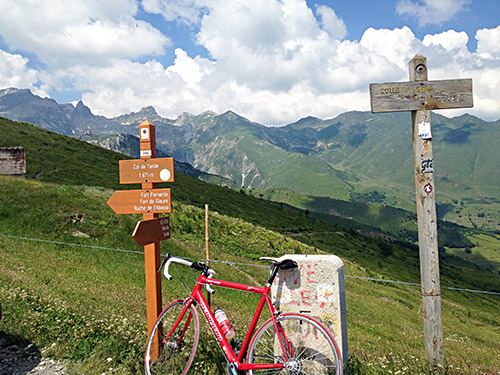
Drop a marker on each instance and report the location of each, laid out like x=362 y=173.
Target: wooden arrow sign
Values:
x=141 y=201
x=153 y=230
x=146 y=170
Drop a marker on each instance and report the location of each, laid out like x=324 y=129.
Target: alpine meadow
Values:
x=87 y=304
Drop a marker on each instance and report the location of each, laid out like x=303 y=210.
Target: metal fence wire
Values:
x=240 y=263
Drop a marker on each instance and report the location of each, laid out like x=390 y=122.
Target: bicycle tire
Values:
x=314 y=348
x=177 y=353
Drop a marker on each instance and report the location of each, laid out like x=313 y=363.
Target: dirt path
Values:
x=26 y=360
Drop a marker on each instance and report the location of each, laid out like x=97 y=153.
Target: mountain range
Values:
x=357 y=156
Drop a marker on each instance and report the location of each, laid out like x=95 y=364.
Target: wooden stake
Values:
x=427 y=225
x=206 y=247
x=421 y=96
x=152 y=257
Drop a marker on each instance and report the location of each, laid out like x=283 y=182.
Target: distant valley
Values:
x=356 y=156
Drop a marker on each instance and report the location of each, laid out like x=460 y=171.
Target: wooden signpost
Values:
x=149 y=201
x=420 y=96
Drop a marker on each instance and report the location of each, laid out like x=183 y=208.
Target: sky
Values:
x=271 y=61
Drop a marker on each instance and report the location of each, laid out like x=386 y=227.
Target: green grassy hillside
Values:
x=379 y=220
x=60 y=159
x=354 y=155
x=90 y=302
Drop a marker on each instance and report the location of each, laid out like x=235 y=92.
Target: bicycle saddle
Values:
x=287 y=264
x=283 y=264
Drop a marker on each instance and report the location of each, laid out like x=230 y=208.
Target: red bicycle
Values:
x=287 y=343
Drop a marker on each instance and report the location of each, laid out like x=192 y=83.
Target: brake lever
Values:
x=207 y=286
x=167 y=257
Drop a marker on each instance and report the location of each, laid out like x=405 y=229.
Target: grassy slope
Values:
x=396 y=222
x=465 y=153
x=93 y=290
x=266 y=160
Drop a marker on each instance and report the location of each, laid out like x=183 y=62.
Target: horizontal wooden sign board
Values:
x=145 y=201
x=146 y=170
x=151 y=231
x=421 y=95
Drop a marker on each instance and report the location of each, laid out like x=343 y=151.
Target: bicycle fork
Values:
x=176 y=325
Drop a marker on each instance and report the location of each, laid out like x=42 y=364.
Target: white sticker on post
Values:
x=145 y=153
x=424 y=130
x=165 y=175
x=144 y=133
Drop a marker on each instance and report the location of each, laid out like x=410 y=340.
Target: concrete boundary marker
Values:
x=316 y=288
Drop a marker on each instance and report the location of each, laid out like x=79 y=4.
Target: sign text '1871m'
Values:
x=146 y=170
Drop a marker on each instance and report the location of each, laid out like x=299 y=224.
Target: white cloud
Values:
x=330 y=22
x=429 y=12
x=184 y=11
x=488 y=42
x=449 y=40
x=61 y=33
x=191 y=71
x=397 y=46
x=271 y=61
x=126 y=86
x=14 y=72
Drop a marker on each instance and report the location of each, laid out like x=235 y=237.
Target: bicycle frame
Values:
x=197 y=297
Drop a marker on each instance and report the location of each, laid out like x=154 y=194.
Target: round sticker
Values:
x=428 y=188
x=165 y=175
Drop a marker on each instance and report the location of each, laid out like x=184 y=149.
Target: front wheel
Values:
x=301 y=343
x=174 y=353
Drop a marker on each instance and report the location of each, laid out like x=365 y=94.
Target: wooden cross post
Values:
x=420 y=96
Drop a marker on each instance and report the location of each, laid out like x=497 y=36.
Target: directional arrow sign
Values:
x=153 y=230
x=146 y=170
x=141 y=201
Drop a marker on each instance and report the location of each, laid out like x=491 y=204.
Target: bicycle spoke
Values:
x=176 y=352
x=308 y=347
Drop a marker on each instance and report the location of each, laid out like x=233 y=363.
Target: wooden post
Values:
x=427 y=225
x=420 y=96
x=151 y=251
x=149 y=201
x=206 y=248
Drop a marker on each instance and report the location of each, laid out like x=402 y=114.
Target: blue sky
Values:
x=273 y=61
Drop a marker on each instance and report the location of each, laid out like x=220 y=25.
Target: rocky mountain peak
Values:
x=149 y=110
x=82 y=110
x=184 y=118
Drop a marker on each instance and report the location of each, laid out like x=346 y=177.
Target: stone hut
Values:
x=12 y=161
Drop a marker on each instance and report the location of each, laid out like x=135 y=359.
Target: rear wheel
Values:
x=309 y=347
x=175 y=354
